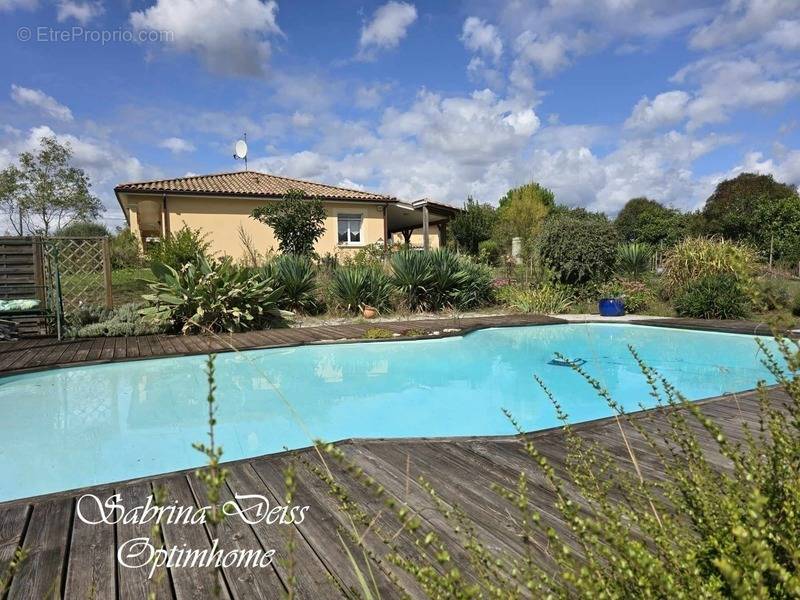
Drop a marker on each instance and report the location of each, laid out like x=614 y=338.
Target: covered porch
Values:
x=420 y=223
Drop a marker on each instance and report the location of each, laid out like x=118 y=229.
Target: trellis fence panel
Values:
x=85 y=270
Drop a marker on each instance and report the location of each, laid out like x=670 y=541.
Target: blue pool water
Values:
x=80 y=426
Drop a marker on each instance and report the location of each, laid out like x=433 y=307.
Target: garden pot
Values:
x=611 y=307
x=369 y=312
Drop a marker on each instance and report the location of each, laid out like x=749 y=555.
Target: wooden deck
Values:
x=71 y=559
x=45 y=353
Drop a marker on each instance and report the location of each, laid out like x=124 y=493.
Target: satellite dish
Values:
x=240 y=150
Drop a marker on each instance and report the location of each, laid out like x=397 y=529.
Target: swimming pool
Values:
x=81 y=426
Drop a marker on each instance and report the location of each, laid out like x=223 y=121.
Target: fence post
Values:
x=107 y=272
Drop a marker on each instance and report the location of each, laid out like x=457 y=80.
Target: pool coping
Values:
x=519 y=437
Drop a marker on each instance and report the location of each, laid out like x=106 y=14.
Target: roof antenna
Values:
x=240 y=150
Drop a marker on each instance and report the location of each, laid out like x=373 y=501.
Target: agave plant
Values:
x=633 y=259
x=296 y=278
x=214 y=295
x=356 y=286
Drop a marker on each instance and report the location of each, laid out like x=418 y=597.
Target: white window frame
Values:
x=351 y=217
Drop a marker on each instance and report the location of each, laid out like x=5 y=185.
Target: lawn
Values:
x=128 y=285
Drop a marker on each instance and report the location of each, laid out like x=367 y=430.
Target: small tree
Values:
x=83 y=229
x=650 y=222
x=522 y=212
x=51 y=193
x=473 y=225
x=298 y=222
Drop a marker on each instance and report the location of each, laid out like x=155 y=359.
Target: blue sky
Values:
x=601 y=101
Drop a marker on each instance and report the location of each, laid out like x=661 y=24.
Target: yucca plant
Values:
x=448 y=279
x=633 y=259
x=355 y=286
x=296 y=278
x=214 y=295
x=478 y=288
x=413 y=276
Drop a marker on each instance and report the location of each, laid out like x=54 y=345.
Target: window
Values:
x=349 y=229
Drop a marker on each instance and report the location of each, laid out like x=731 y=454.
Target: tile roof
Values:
x=248 y=183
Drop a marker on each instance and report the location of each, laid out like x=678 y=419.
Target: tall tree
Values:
x=52 y=193
x=522 y=212
x=9 y=198
x=650 y=222
x=731 y=209
x=473 y=225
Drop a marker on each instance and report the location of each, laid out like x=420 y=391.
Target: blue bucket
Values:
x=611 y=307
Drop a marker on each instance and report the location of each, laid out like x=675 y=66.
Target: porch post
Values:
x=425 y=228
x=385 y=226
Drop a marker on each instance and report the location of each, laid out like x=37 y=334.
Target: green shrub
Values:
x=353 y=287
x=796 y=305
x=578 y=249
x=718 y=296
x=490 y=253
x=477 y=288
x=546 y=299
x=86 y=315
x=772 y=293
x=412 y=275
x=636 y=294
x=214 y=295
x=123 y=321
x=126 y=252
x=633 y=259
x=295 y=277
x=83 y=229
x=696 y=258
x=177 y=249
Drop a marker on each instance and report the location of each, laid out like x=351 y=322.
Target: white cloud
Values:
x=548 y=54
x=665 y=109
x=743 y=20
x=37 y=98
x=480 y=36
x=9 y=5
x=786 y=34
x=388 y=26
x=733 y=84
x=231 y=37
x=177 y=145
x=785 y=169
x=301 y=119
x=371 y=96
x=83 y=12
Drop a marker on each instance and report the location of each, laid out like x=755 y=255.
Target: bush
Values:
x=123 y=321
x=177 y=249
x=578 y=249
x=796 y=305
x=473 y=226
x=377 y=333
x=696 y=258
x=490 y=253
x=478 y=287
x=83 y=229
x=772 y=293
x=633 y=259
x=297 y=222
x=125 y=250
x=295 y=277
x=353 y=287
x=636 y=294
x=214 y=295
x=545 y=299
x=718 y=296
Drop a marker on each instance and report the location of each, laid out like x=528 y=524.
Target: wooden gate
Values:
x=85 y=269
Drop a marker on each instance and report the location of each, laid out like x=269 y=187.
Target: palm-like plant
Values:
x=296 y=278
x=414 y=277
x=634 y=259
x=357 y=286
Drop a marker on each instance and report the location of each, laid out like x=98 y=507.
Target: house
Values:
x=220 y=205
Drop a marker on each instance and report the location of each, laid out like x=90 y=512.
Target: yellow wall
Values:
x=220 y=218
